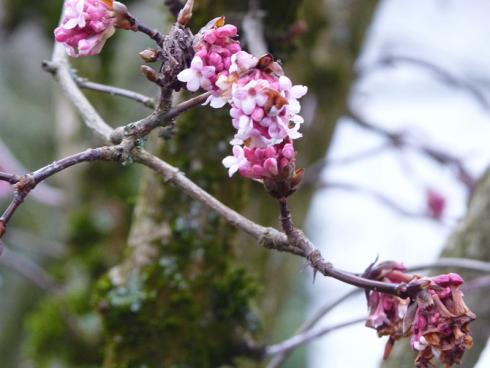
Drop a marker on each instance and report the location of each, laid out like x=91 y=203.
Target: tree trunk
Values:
x=182 y=295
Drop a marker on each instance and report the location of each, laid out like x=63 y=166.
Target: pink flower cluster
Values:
x=440 y=328
x=264 y=103
x=437 y=319
x=87 y=24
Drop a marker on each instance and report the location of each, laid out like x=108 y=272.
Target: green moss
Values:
x=51 y=340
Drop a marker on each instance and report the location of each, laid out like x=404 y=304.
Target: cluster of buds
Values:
x=87 y=24
x=263 y=102
x=437 y=318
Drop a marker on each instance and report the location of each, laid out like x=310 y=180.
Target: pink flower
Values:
x=440 y=328
x=214 y=46
x=264 y=106
x=87 y=24
x=197 y=75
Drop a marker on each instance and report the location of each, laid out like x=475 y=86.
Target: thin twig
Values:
x=9 y=178
x=154 y=34
x=305 y=337
x=33 y=243
x=115 y=91
x=380 y=197
x=28 y=269
x=280 y=358
x=157 y=119
x=44 y=193
x=62 y=73
x=443 y=74
x=463 y=263
x=28 y=182
x=399 y=139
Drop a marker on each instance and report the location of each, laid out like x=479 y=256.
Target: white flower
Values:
x=216 y=101
x=235 y=162
x=242 y=61
x=292 y=93
x=197 y=75
x=74 y=11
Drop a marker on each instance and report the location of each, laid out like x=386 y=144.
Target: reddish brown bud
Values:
x=150 y=73
x=3 y=229
x=123 y=17
x=186 y=13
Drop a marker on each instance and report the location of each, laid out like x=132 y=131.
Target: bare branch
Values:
x=33 y=243
x=269 y=237
x=463 y=263
x=154 y=34
x=157 y=119
x=44 y=193
x=28 y=269
x=281 y=357
x=111 y=90
x=307 y=336
x=380 y=197
x=399 y=139
x=61 y=71
x=9 y=178
x=439 y=71
x=294 y=241
x=28 y=182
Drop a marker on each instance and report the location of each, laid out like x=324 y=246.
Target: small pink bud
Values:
x=270 y=165
x=228 y=30
x=436 y=204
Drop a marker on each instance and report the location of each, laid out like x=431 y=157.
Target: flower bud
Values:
x=149 y=55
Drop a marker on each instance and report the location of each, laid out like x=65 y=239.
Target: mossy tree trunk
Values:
x=182 y=295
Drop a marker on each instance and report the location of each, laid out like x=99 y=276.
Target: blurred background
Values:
x=395 y=143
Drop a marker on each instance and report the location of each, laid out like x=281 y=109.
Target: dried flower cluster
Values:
x=264 y=103
x=440 y=328
x=437 y=320
x=87 y=24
